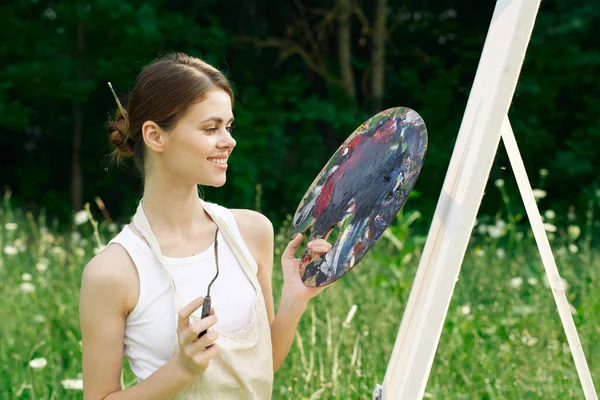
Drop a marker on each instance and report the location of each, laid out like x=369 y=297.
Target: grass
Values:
x=502 y=338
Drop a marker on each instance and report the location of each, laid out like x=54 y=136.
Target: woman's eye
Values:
x=210 y=129
x=230 y=128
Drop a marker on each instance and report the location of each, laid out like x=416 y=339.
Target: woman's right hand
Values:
x=195 y=354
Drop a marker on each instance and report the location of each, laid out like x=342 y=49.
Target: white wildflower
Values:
x=550 y=214
x=466 y=309
x=26 y=277
x=516 y=282
x=73 y=384
x=346 y=323
x=549 y=227
x=10 y=250
x=482 y=229
x=42 y=264
x=79 y=251
x=498 y=230
x=573 y=309
x=573 y=231
x=539 y=193
x=11 y=226
x=543 y=172
x=504 y=347
x=501 y=253
x=573 y=248
x=27 y=287
x=529 y=340
x=38 y=363
x=490 y=330
x=499 y=183
x=75 y=236
x=479 y=252
x=112 y=227
x=532 y=281
x=39 y=318
x=494 y=232
x=80 y=217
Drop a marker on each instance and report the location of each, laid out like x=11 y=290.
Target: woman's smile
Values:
x=220 y=163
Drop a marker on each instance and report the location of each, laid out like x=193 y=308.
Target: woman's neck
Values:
x=173 y=208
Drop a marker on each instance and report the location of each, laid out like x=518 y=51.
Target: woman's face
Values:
x=198 y=148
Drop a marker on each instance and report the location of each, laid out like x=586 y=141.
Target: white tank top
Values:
x=150 y=328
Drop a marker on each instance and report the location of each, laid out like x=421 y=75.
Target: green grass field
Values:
x=502 y=339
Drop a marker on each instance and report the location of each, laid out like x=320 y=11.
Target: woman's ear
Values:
x=154 y=137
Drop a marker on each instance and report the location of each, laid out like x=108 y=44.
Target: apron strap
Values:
x=233 y=243
x=143 y=226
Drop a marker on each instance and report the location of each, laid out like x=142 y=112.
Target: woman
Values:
x=141 y=295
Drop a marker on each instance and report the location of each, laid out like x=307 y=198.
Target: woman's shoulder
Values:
x=257 y=231
x=108 y=263
x=250 y=219
x=110 y=272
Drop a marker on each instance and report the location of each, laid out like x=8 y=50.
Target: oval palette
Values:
x=359 y=191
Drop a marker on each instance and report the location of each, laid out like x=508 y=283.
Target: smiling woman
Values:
x=175 y=93
x=141 y=296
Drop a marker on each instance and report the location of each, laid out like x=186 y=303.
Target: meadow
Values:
x=502 y=338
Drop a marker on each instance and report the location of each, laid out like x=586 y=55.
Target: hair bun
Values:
x=119 y=136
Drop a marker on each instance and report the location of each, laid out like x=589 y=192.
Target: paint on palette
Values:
x=360 y=190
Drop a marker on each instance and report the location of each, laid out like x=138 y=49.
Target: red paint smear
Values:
x=382 y=135
x=353 y=159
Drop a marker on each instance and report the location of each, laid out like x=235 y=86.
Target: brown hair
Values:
x=162 y=93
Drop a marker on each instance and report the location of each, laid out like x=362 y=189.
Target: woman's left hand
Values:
x=292 y=282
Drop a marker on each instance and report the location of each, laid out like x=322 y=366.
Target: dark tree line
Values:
x=306 y=74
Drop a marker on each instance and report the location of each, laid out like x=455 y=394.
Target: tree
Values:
x=378 y=58
x=345 y=47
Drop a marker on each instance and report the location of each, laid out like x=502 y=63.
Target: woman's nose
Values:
x=228 y=140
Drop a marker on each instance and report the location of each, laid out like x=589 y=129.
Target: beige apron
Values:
x=243 y=368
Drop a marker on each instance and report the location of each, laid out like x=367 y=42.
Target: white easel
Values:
x=484 y=122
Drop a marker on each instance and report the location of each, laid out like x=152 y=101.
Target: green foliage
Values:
x=502 y=338
x=291 y=111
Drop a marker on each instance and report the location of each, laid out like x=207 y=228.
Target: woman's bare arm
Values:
x=106 y=283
